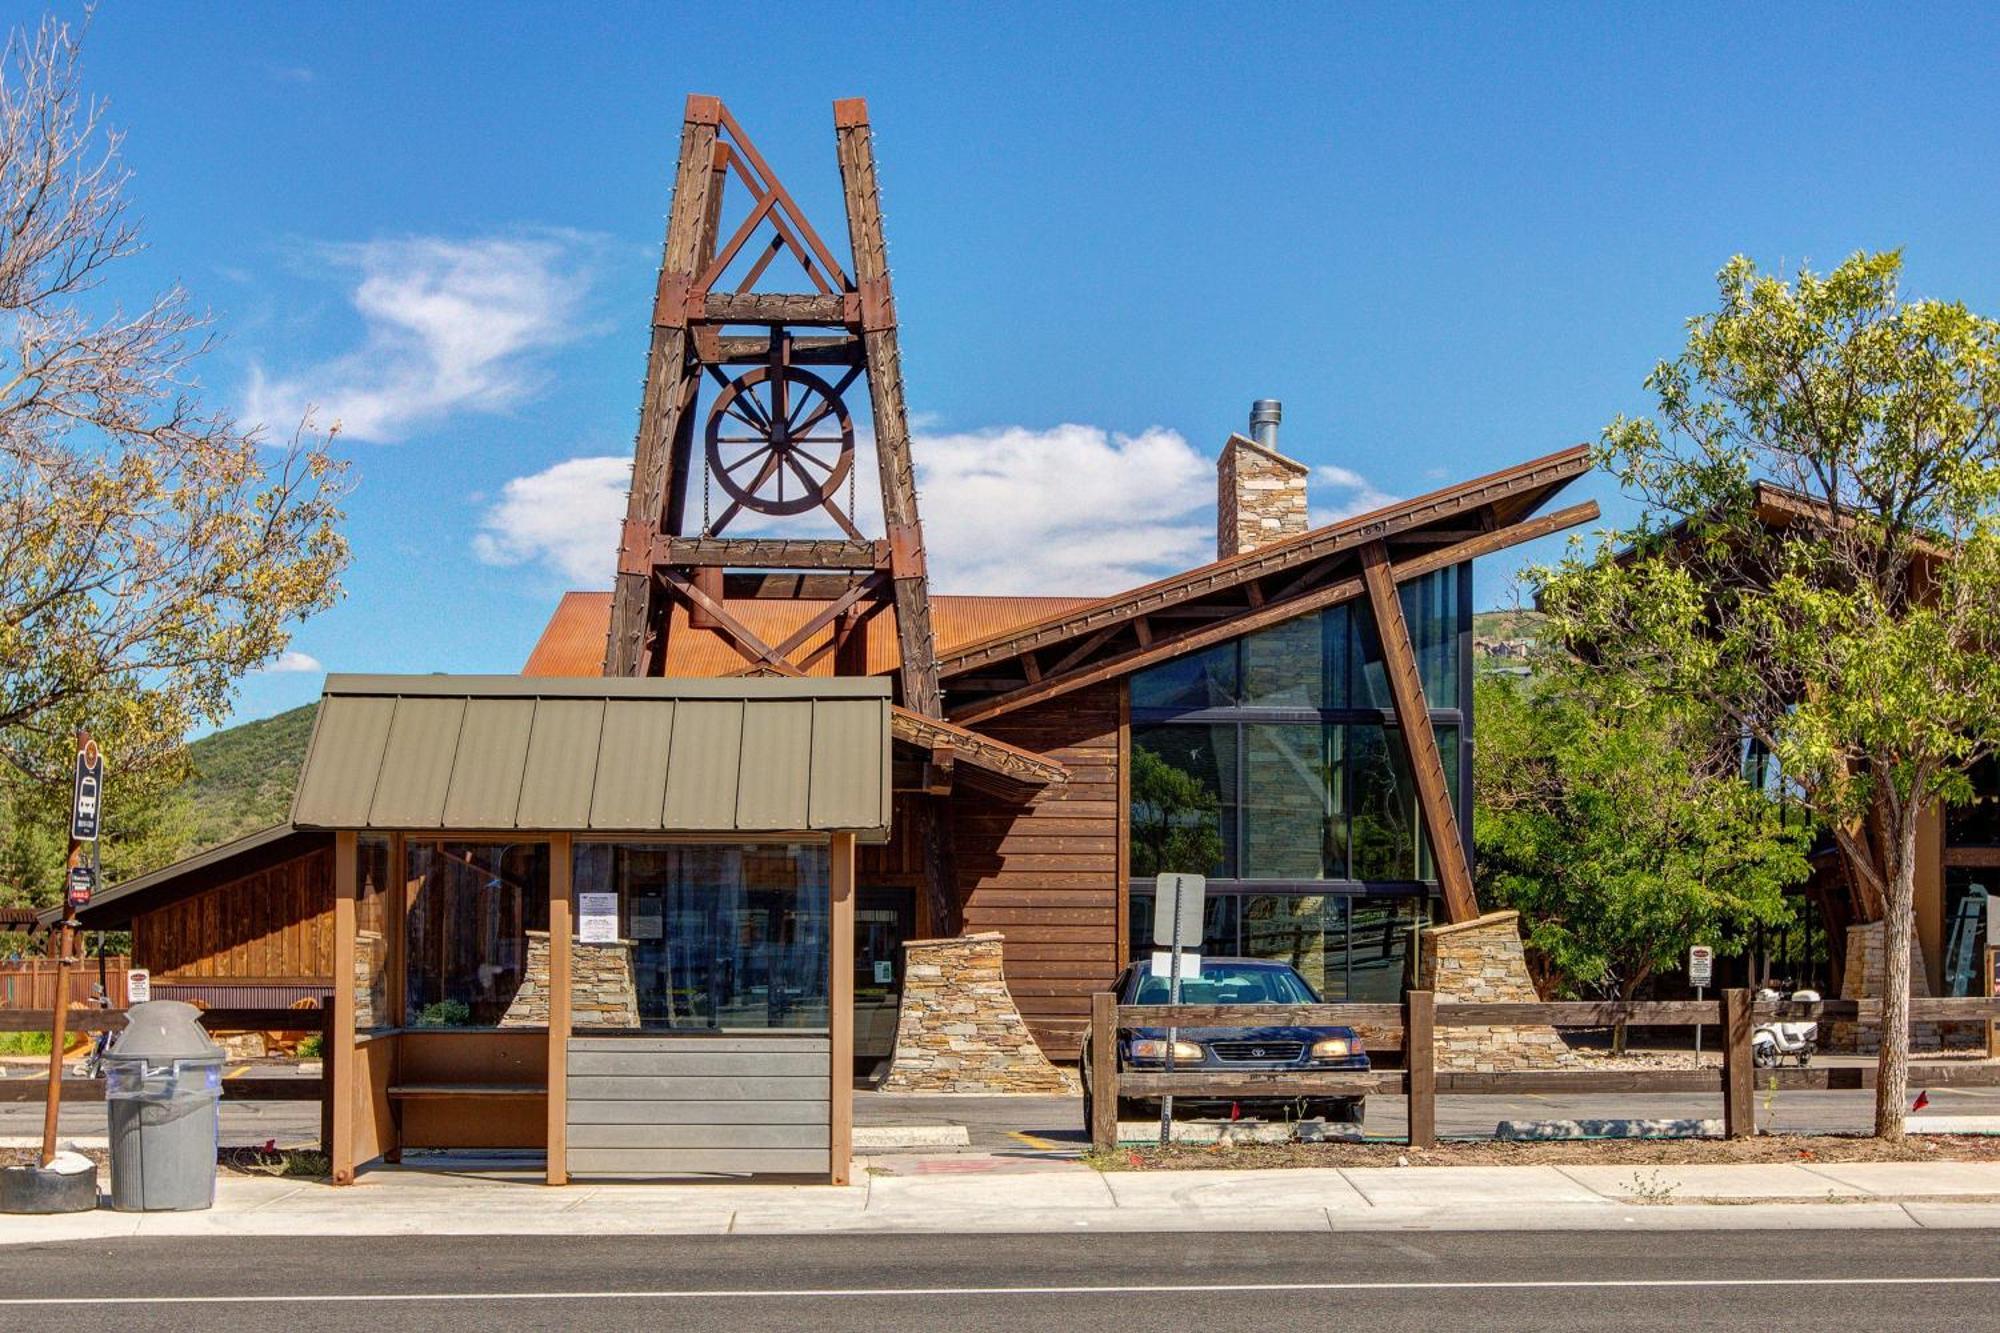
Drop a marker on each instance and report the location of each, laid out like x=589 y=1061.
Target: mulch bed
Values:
x=1776 y=1148
x=292 y=1162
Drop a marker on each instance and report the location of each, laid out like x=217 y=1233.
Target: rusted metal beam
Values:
x=1406 y=688
x=826 y=615
x=1163 y=645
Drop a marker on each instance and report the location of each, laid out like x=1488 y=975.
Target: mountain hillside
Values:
x=244 y=775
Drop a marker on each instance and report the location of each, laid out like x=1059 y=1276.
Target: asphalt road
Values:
x=1015 y=1124
x=1082 y=1284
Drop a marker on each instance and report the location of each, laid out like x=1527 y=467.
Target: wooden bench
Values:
x=406 y=1091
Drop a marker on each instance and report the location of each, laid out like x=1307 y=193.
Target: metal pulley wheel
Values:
x=780 y=440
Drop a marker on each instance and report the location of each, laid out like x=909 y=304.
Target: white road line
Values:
x=821 y=1293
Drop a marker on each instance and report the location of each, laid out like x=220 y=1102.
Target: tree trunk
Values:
x=1892 y=1068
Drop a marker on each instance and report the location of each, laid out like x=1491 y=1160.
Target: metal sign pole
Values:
x=1173 y=1029
x=1697 y=1027
x=83 y=819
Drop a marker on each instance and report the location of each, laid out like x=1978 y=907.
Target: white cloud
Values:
x=448 y=326
x=565 y=518
x=1352 y=494
x=292 y=660
x=1070 y=509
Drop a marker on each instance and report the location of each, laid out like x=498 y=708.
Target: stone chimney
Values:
x=1260 y=495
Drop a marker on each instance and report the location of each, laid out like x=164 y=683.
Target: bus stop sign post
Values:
x=85 y=816
x=1701 y=971
x=1177 y=915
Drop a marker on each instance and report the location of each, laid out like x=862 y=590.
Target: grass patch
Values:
x=24 y=1043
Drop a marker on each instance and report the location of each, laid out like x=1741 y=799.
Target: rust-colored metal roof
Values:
x=572 y=644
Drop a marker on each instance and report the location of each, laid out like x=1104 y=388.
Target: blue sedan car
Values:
x=1262 y=1049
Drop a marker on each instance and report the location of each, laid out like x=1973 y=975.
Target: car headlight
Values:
x=1333 y=1048
x=1154 y=1048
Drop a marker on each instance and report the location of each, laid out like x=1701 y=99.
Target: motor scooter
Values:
x=1772 y=1042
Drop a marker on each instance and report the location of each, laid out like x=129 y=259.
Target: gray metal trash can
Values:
x=162 y=1079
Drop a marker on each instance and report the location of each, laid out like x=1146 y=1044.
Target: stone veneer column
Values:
x=1481 y=961
x=1861 y=979
x=602 y=993
x=959 y=1029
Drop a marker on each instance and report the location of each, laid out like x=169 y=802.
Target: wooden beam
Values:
x=340 y=1036
x=1420 y=1058
x=840 y=1001
x=768 y=553
x=786 y=587
x=837 y=350
x=1406 y=686
x=1532 y=480
x=1164 y=646
x=855 y=146
x=825 y=616
x=754 y=650
x=665 y=407
x=777 y=308
x=561 y=866
x=1009 y=761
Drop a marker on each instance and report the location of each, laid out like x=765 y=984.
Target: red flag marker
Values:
x=1923 y=1100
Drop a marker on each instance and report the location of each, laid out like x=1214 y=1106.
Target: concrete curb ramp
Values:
x=971 y=1193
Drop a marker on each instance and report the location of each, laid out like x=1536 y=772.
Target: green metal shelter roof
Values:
x=754 y=754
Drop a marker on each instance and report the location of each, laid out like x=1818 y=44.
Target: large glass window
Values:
x=1184 y=800
x=372 y=905
x=1965 y=897
x=718 y=936
x=1976 y=822
x=1349 y=947
x=467 y=934
x=1294 y=805
x=1207 y=679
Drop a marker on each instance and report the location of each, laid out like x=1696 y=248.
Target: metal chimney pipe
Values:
x=1265 y=414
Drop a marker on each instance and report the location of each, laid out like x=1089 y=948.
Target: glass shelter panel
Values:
x=467 y=931
x=718 y=936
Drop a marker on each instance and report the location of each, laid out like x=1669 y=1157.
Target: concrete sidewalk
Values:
x=962 y=1193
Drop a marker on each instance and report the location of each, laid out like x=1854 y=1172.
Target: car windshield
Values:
x=1230 y=983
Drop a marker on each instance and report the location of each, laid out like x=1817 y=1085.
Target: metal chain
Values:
x=704 y=497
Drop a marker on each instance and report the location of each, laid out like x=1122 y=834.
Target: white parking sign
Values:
x=1701 y=965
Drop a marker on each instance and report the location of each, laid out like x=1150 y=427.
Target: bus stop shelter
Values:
x=608 y=918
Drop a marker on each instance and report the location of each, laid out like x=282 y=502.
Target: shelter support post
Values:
x=561 y=864
x=840 y=1017
x=1413 y=713
x=1420 y=1056
x=1739 y=1106
x=341 y=1086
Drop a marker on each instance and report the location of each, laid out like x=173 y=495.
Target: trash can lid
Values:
x=163 y=1030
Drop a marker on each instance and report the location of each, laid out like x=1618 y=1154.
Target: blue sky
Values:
x=1448 y=239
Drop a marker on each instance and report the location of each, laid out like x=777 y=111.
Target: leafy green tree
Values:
x=152 y=549
x=1622 y=833
x=1818 y=560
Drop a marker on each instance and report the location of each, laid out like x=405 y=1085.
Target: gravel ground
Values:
x=1600 y=1152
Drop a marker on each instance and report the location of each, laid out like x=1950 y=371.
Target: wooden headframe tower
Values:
x=776 y=438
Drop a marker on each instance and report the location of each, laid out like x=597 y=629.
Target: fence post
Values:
x=1104 y=1071
x=1420 y=1056
x=1739 y=1107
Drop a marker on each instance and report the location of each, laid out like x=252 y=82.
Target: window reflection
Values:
x=721 y=936
x=467 y=940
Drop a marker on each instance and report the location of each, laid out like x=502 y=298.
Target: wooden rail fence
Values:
x=1415 y=1023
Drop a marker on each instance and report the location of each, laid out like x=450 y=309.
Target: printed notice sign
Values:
x=597 y=918
x=138 y=985
x=1701 y=965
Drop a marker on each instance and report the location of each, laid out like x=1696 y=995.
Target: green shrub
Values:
x=311 y=1047
x=445 y=1014
x=24 y=1043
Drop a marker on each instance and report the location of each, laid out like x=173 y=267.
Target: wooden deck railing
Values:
x=1415 y=1023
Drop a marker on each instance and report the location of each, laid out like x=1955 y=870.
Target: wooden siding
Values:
x=275 y=924
x=686 y=1105
x=1044 y=872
